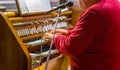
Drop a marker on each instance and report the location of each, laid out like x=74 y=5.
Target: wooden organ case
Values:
x=21 y=38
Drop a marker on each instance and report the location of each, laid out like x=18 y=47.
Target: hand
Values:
x=60 y=32
x=47 y=36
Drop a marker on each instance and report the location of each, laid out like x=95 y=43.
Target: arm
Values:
x=86 y=30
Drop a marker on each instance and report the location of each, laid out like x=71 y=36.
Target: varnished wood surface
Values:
x=58 y=63
x=13 y=54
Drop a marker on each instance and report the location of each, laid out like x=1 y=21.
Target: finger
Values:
x=51 y=31
x=46 y=34
x=58 y=33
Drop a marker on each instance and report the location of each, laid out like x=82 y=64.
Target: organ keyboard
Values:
x=24 y=38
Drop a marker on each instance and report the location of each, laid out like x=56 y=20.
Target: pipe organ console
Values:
x=21 y=43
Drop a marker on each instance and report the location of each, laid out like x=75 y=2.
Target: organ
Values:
x=21 y=39
x=22 y=43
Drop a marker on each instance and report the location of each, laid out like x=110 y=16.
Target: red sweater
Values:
x=94 y=43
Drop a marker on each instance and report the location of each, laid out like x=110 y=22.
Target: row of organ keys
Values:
x=42 y=28
x=31 y=30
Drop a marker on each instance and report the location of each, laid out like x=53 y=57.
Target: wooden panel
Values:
x=13 y=54
x=55 y=64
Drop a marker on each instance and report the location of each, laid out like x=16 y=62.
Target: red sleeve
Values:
x=69 y=32
x=89 y=25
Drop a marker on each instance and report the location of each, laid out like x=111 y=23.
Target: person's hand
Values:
x=47 y=36
x=60 y=32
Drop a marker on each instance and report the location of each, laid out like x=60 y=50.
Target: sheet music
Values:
x=38 y=5
x=23 y=6
x=29 y=6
